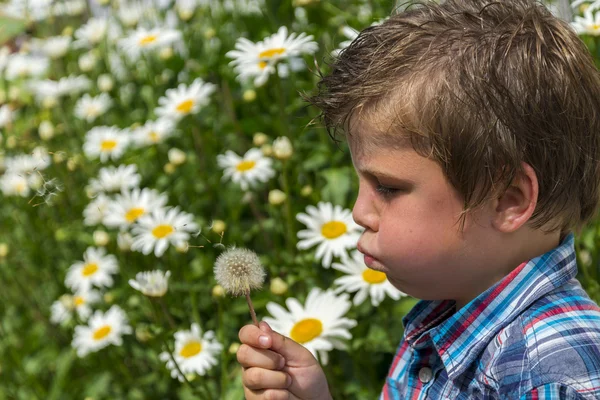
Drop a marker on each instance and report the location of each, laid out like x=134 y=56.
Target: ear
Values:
x=516 y=206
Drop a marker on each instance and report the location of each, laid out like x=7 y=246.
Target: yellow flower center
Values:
x=89 y=269
x=190 y=349
x=154 y=136
x=333 y=229
x=185 y=106
x=92 y=110
x=134 y=213
x=146 y=40
x=108 y=145
x=371 y=276
x=162 y=231
x=78 y=300
x=245 y=165
x=262 y=65
x=595 y=27
x=271 y=52
x=306 y=330
x=101 y=333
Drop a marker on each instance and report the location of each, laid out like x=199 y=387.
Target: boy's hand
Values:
x=276 y=367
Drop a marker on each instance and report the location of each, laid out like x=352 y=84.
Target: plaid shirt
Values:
x=533 y=335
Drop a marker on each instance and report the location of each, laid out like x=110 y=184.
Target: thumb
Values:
x=294 y=353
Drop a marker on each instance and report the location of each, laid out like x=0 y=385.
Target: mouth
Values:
x=370 y=260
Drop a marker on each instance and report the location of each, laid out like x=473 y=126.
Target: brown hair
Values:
x=481 y=86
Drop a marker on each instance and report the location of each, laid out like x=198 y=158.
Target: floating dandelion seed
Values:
x=239 y=271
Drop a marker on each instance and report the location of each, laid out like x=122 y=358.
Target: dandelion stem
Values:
x=251 y=307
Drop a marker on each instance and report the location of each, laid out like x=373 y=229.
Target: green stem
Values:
x=290 y=236
x=195 y=311
x=283 y=130
x=221 y=338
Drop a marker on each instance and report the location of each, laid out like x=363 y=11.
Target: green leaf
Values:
x=338 y=185
x=10 y=27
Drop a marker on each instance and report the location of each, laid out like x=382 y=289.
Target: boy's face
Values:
x=410 y=213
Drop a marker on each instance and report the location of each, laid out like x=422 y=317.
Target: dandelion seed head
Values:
x=239 y=270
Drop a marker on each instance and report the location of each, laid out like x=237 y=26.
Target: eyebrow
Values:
x=381 y=174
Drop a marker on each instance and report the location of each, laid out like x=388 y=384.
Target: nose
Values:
x=365 y=211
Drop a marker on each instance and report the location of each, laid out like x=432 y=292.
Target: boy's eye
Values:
x=386 y=191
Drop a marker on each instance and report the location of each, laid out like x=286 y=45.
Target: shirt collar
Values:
x=460 y=338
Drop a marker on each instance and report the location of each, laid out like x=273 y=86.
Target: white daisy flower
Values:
x=115 y=179
x=94 y=31
x=153 y=132
x=151 y=283
x=350 y=34
x=364 y=281
x=246 y=171
x=144 y=40
x=6 y=115
x=130 y=13
x=257 y=60
x=62 y=309
x=90 y=108
x=38 y=160
x=106 y=143
x=161 y=228
x=14 y=184
x=128 y=206
x=69 y=85
x=103 y=329
x=54 y=47
x=318 y=325
x=25 y=66
x=95 y=212
x=96 y=269
x=589 y=24
x=195 y=353
x=177 y=103
x=330 y=227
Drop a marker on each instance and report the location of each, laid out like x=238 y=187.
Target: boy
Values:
x=474 y=128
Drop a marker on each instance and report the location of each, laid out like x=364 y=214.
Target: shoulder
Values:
x=553 y=345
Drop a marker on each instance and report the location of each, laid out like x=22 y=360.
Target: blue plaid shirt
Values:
x=533 y=335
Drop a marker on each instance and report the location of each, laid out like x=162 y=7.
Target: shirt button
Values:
x=425 y=374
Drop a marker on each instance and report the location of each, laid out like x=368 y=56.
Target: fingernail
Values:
x=263 y=340
x=281 y=363
x=263 y=326
x=288 y=381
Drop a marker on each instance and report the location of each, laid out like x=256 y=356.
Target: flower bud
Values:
x=58 y=157
x=11 y=142
x=282 y=148
x=3 y=250
x=267 y=150
x=46 y=130
x=109 y=297
x=185 y=14
x=306 y=190
x=218 y=226
x=105 y=83
x=87 y=61
x=278 y=286
x=182 y=247
x=49 y=102
x=176 y=156
x=259 y=139
x=124 y=241
x=218 y=291
x=210 y=33
x=234 y=347
x=165 y=53
x=276 y=197
x=249 y=95
x=101 y=238
x=169 y=168
x=14 y=93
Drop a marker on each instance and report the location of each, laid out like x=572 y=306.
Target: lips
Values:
x=370 y=260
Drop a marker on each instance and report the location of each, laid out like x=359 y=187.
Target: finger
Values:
x=253 y=336
x=293 y=352
x=260 y=378
x=249 y=356
x=269 y=394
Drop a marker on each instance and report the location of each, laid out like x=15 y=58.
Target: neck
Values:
x=525 y=245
